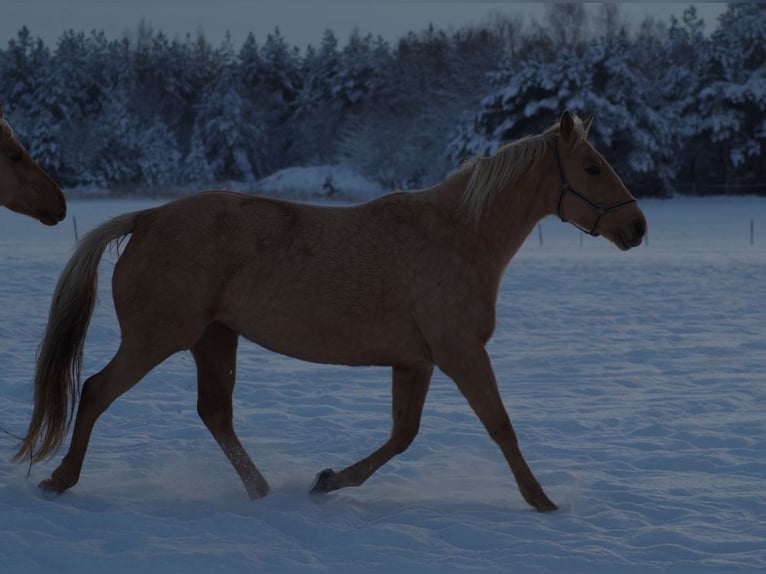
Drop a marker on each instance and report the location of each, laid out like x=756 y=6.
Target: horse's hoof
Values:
x=542 y=503
x=324 y=482
x=537 y=499
x=258 y=490
x=547 y=506
x=51 y=485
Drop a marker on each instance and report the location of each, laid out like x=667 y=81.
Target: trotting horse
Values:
x=409 y=280
x=24 y=186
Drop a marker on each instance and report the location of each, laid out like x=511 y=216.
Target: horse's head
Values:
x=592 y=197
x=24 y=186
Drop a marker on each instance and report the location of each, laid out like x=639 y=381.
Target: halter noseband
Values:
x=600 y=209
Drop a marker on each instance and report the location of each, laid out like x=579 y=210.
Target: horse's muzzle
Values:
x=633 y=235
x=51 y=218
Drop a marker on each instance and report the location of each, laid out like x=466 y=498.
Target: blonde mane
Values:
x=490 y=175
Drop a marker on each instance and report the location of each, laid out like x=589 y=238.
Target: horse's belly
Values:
x=345 y=341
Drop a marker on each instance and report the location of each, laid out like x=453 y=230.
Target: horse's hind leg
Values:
x=409 y=389
x=216 y=357
x=98 y=392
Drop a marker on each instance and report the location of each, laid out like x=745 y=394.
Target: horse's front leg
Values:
x=472 y=372
x=409 y=389
x=216 y=357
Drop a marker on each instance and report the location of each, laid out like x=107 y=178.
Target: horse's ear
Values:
x=566 y=126
x=587 y=123
x=1 y=112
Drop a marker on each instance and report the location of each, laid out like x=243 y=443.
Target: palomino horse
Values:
x=409 y=280
x=24 y=186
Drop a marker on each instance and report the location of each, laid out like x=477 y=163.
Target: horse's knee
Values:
x=214 y=415
x=502 y=432
x=401 y=440
x=204 y=412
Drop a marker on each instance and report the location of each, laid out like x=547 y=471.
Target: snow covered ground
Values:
x=635 y=380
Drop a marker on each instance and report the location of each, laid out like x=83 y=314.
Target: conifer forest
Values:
x=679 y=106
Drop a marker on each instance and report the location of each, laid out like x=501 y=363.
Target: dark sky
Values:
x=301 y=21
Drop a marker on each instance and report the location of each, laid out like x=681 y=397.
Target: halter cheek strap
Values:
x=600 y=209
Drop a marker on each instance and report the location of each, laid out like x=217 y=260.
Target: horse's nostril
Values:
x=640 y=227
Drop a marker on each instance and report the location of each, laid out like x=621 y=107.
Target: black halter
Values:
x=600 y=209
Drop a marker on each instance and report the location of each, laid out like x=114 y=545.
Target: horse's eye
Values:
x=593 y=170
x=16 y=157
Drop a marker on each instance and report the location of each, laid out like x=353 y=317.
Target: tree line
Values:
x=678 y=110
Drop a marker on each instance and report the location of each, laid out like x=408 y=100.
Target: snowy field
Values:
x=635 y=380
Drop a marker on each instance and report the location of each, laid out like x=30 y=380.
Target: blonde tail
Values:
x=59 y=358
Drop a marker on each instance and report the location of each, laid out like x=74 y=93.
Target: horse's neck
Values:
x=518 y=210
x=492 y=241
x=509 y=219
